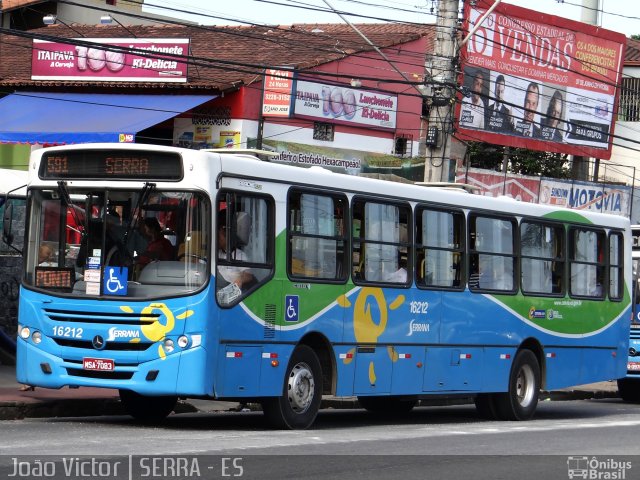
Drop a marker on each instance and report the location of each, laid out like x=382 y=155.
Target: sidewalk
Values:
x=67 y=402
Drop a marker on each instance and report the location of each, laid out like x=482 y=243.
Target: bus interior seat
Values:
x=193 y=245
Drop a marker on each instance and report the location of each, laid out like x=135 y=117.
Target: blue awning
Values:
x=60 y=118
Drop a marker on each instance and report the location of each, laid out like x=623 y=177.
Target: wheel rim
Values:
x=525 y=384
x=300 y=387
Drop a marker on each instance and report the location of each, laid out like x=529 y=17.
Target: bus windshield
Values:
x=136 y=243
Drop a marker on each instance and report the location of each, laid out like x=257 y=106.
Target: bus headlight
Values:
x=183 y=341
x=168 y=345
x=25 y=332
x=36 y=337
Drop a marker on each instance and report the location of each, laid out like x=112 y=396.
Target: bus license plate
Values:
x=633 y=366
x=99 y=364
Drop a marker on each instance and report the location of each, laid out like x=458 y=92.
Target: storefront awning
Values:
x=60 y=118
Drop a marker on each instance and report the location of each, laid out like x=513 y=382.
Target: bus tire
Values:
x=629 y=389
x=486 y=406
x=298 y=406
x=147 y=408
x=387 y=405
x=521 y=400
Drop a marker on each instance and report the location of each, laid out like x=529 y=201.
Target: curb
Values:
x=60 y=408
x=89 y=407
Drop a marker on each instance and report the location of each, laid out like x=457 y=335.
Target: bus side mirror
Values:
x=7 y=235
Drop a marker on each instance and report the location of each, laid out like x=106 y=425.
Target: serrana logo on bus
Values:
x=117 y=333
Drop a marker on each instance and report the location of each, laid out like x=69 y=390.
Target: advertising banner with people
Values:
x=113 y=60
x=539 y=81
x=342 y=104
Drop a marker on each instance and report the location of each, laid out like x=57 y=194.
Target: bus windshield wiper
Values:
x=64 y=193
x=144 y=194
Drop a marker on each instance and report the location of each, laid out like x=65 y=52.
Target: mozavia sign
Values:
x=111 y=60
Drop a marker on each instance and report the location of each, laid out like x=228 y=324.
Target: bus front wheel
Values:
x=299 y=403
x=521 y=400
x=629 y=389
x=146 y=408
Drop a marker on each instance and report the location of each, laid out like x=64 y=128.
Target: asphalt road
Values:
x=432 y=442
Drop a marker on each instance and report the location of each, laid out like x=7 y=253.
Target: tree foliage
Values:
x=519 y=160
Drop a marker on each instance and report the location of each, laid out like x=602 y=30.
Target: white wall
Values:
x=89 y=16
x=625 y=155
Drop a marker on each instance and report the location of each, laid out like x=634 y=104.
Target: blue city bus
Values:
x=629 y=386
x=207 y=275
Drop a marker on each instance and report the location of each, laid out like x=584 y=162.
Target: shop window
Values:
x=402 y=145
x=323 y=131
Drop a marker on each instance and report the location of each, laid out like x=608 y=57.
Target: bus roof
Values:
x=242 y=163
x=249 y=152
x=324 y=178
x=451 y=185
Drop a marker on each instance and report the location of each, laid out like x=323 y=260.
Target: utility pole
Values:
x=580 y=164
x=441 y=77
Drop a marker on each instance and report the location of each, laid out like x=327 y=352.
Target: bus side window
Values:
x=493 y=243
x=439 y=246
x=244 y=244
x=542 y=257
x=316 y=240
x=381 y=244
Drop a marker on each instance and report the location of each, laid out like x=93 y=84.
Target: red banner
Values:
x=276 y=97
x=495 y=184
x=111 y=60
x=539 y=81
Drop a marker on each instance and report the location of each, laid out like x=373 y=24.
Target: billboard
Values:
x=596 y=197
x=111 y=60
x=276 y=95
x=539 y=81
x=345 y=105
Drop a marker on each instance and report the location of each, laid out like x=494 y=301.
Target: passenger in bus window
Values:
x=240 y=276
x=481 y=273
x=399 y=275
x=45 y=256
x=158 y=248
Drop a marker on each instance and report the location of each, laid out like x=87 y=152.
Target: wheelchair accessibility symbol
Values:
x=291 y=308
x=115 y=280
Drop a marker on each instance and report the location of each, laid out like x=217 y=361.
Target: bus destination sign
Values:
x=111 y=165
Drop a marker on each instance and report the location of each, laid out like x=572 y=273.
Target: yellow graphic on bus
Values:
x=157 y=330
x=368 y=329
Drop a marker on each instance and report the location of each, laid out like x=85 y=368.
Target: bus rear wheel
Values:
x=521 y=400
x=146 y=408
x=629 y=389
x=299 y=403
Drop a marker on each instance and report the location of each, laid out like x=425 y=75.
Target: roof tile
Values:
x=224 y=56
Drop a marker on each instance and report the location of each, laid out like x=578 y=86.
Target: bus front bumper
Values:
x=173 y=374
